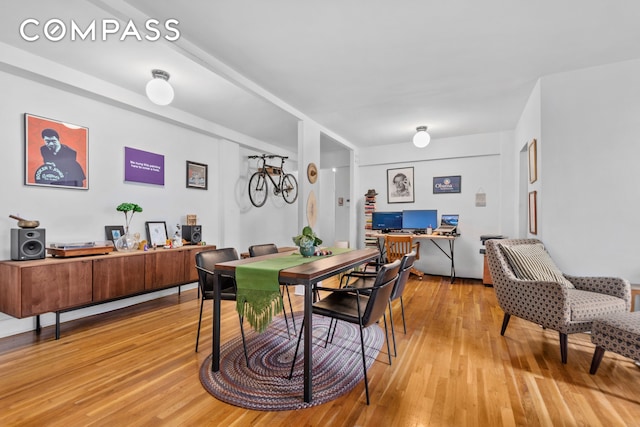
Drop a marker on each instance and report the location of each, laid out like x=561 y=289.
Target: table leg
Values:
x=308 y=342
x=453 y=264
x=215 y=351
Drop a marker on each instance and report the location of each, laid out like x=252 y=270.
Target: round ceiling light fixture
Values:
x=158 y=89
x=422 y=138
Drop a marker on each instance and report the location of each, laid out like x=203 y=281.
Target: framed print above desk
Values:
x=400 y=185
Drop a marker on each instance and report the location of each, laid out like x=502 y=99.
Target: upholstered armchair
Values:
x=530 y=286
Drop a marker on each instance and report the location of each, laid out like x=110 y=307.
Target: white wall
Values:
x=477 y=159
x=70 y=215
x=589 y=208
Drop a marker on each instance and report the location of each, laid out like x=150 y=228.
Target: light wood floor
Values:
x=137 y=366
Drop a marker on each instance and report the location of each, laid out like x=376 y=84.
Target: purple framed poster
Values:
x=142 y=166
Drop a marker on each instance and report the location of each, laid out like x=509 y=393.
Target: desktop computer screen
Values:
x=419 y=219
x=386 y=221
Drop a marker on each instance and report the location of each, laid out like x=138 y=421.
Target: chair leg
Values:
x=404 y=324
x=505 y=322
x=199 y=324
x=293 y=320
x=564 y=339
x=597 y=358
x=393 y=330
x=295 y=354
x=364 y=363
x=386 y=337
x=244 y=342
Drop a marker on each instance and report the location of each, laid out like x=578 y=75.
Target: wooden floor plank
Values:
x=136 y=366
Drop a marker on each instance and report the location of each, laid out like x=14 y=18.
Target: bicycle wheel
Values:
x=258 y=189
x=289 y=188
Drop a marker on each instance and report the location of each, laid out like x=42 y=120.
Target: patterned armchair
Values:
x=563 y=303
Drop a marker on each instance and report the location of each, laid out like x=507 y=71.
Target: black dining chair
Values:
x=205 y=264
x=271 y=248
x=362 y=306
x=406 y=264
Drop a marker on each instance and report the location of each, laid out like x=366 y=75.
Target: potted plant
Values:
x=307 y=241
x=127 y=242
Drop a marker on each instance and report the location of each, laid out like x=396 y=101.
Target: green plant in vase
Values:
x=307 y=241
x=127 y=242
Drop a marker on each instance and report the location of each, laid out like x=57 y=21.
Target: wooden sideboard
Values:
x=31 y=288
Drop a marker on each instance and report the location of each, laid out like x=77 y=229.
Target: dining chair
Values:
x=271 y=248
x=397 y=245
x=205 y=264
x=406 y=264
x=354 y=306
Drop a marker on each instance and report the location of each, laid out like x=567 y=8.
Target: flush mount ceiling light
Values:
x=158 y=89
x=421 y=138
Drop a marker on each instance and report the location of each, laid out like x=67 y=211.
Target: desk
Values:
x=307 y=275
x=433 y=238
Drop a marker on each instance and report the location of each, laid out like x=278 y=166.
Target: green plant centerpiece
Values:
x=127 y=242
x=307 y=241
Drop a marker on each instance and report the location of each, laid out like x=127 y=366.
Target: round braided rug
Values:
x=265 y=384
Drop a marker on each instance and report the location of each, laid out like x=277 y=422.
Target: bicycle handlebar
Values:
x=267 y=156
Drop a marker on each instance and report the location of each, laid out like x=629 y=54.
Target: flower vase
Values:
x=127 y=242
x=307 y=249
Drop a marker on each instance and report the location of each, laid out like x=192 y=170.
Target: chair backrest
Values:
x=403 y=276
x=397 y=246
x=208 y=260
x=264 y=249
x=381 y=292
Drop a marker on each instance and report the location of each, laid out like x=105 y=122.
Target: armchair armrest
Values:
x=614 y=286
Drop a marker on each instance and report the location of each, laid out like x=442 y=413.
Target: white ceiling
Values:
x=368 y=71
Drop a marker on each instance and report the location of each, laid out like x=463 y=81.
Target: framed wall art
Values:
x=447 y=184
x=156 y=232
x=143 y=166
x=400 y=185
x=533 y=212
x=56 y=153
x=533 y=161
x=196 y=175
x=113 y=232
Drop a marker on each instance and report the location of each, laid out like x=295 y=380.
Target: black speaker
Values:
x=192 y=233
x=27 y=243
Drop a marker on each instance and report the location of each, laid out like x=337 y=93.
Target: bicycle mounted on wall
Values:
x=284 y=184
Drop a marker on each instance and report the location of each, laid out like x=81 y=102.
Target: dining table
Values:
x=308 y=275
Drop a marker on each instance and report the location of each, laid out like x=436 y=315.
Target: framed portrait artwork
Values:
x=533 y=161
x=196 y=175
x=56 y=153
x=113 y=232
x=156 y=232
x=400 y=185
x=533 y=212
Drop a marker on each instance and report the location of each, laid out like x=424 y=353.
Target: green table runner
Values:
x=258 y=295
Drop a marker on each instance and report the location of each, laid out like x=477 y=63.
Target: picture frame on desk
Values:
x=113 y=232
x=400 y=188
x=156 y=232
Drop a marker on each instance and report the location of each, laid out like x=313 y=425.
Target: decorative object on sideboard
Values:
x=192 y=219
x=307 y=241
x=192 y=234
x=24 y=223
x=156 y=233
x=127 y=242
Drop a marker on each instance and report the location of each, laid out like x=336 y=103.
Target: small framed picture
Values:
x=156 y=232
x=533 y=212
x=400 y=185
x=113 y=232
x=447 y=184
x=533 y=161
x=196 y=175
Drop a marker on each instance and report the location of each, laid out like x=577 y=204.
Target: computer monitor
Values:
x=386 y=221
x=419 y=219
x=449 y=220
